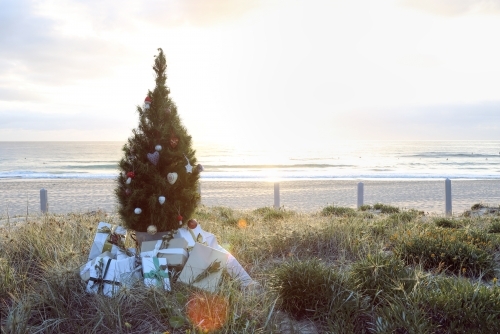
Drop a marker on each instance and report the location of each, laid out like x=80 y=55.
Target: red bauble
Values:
x=131 y=175
x=147 y=99
x=192 y=223
x=179 y=218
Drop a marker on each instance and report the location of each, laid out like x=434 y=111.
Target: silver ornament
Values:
x=152 y=229
x=161 y=199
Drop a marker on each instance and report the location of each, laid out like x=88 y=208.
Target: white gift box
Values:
x=155 y=272
x=121 y=255
x=176 y=252
x=106 y=274
x=191 y=236
x=101 y=242
x=85 y=269
x=203 y=268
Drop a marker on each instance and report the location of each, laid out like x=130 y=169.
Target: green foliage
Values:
x=365 y=207
x=447 y=223
x=331 y=210
x=461 y=252
x=459 y=306
x=385 y=208
x=478 y=206
x=304 y=287
x=271 y=214
x=495 y=226
x=380 y=276
x=159 y=124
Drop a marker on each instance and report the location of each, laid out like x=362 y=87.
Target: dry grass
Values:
x=41 y=292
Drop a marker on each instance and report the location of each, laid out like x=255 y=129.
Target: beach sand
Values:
x=85 y=195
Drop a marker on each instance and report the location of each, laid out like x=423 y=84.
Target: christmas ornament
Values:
x=130 y=176
x=161 y=199
x=172 y=177
x=154 y=157
x=152 y=229
x=138 y=211
x=173 y=141
x=199 y=168
x=158 y=148
x=189 y=168
x=147 y=102
x=128 y=191
x=179 y=218
x=192 y=223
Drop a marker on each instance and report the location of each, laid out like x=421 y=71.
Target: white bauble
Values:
x=138 y=211
x=158 y=148
x=161 y=199
x=152 y=229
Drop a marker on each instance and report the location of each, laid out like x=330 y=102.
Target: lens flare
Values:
x=242 y=223
x=207 y=312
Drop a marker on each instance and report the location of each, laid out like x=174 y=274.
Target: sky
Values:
x=254 y=73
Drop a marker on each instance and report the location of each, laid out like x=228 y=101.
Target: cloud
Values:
x=455 y=7
x=29 y=120
x=434 y=122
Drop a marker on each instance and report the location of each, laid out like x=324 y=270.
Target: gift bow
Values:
x=157 y=273
x=113 y=239
x=100 y=281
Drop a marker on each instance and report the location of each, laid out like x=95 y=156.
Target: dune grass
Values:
x=343 y=271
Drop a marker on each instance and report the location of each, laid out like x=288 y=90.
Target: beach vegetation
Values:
x=365 y=207
x=397 y=272
x=447 y=222
x=384 y=208
x=332 y=210
x=494 y=226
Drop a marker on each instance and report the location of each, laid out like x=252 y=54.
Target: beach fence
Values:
x=361 y=190
x=44 y=202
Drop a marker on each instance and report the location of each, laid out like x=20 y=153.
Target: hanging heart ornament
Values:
x=172 y=177
x=161 y=199
x=154 y=157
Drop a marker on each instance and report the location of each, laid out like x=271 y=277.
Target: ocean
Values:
x=342 y=160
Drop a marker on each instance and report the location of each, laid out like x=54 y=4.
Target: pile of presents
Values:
x=189 y=255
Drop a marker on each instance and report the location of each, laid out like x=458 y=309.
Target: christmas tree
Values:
x=157 y=187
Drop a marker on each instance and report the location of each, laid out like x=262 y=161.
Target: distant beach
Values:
x=85 y=195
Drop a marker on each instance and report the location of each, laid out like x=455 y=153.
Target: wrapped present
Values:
x=124 y=253
x=108 y=238
x=106 y=275
x=203 y=268
x=197 y=234
x=155 y=272
x=150 y=248
x=174 y=250
x=85 y=269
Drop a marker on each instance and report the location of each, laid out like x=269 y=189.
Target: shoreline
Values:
x=85 y=195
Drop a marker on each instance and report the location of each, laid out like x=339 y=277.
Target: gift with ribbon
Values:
x=85 y=269
x=102 y=278
x=155 y=272
x=204 y=267
x=196 y=235
x=108 y=238
x=106 y=274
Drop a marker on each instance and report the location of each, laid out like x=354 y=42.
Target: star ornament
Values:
x=189 y=168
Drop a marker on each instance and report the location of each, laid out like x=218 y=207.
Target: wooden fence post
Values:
x=447 y=196
x=276 y=195
x=44 y=203
x=360 y=194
